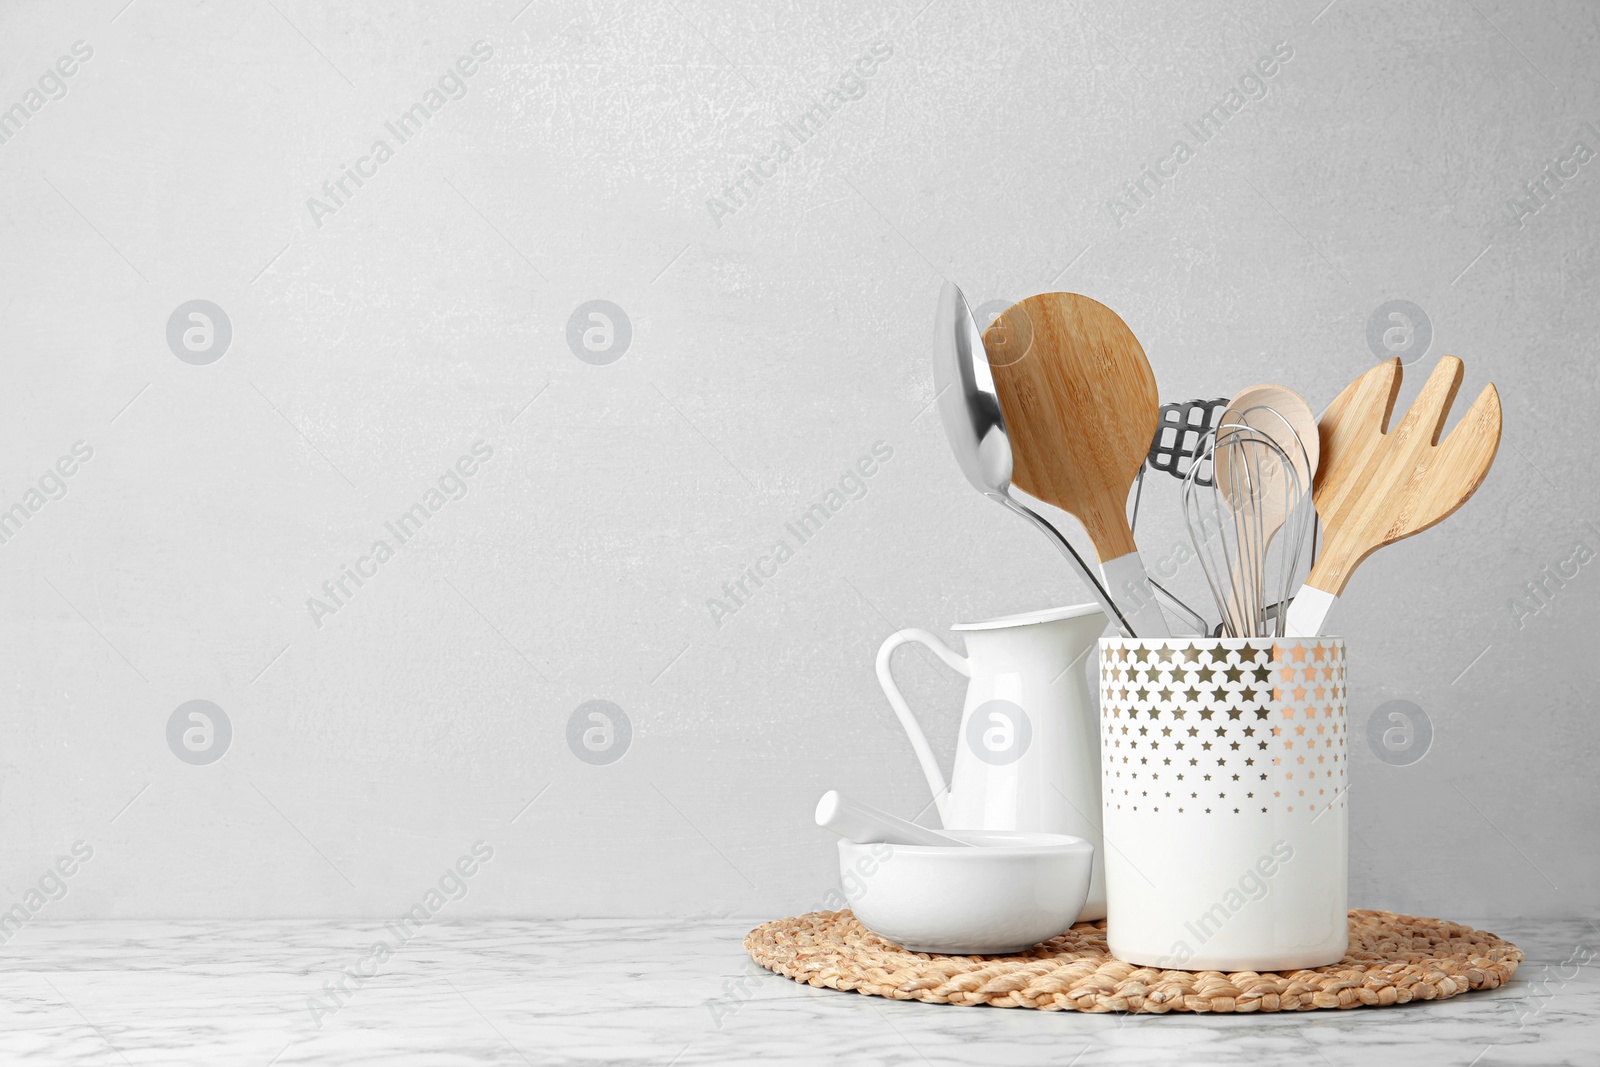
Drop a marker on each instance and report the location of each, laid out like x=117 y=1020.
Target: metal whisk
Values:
x=1256 y=492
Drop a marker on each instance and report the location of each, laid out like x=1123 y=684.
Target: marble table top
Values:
x=672 y=993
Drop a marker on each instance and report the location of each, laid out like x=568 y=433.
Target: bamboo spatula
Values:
x=1081 y=408
x=1375 y=486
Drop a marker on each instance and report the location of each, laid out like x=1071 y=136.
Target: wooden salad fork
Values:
x=1375 y=486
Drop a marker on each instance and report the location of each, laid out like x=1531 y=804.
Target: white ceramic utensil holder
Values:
x=1224 y=776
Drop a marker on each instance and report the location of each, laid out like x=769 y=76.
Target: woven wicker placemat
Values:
x=1393 y=959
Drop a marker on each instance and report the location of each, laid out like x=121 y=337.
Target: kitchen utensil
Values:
x=1255 y=482
x=1010 y=892
x=1026 y=756
x=976 y=429
x=1283 y=415
x=1181 y=434
x=1224 y=764
x=1080 y=409
x=865 y=824
x=1255 y=489
x=1190 y=616
x=1376 y=486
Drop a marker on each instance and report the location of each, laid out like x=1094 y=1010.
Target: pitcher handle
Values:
x=919 y=743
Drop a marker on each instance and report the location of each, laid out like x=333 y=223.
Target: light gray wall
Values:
x=773 y=344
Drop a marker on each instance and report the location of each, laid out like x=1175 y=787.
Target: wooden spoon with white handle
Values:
x=1375 y=486
x=1282 y=416
x=1081 y=408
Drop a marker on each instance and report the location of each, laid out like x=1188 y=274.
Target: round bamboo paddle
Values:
x=1081 y=409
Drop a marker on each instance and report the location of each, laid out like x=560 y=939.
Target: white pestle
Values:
x=867 y=825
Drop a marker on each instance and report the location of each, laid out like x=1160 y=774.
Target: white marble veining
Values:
x=616 y=991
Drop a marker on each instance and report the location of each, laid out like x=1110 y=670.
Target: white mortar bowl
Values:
x=1009 y=892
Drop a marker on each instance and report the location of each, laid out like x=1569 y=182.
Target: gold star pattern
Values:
x=1192 y=696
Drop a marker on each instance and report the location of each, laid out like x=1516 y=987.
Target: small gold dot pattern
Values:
x=1223 y=726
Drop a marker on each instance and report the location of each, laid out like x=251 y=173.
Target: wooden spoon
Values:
x=1376 y=486
x=1081 y=408
x=1295 y=431
x=1283 y=417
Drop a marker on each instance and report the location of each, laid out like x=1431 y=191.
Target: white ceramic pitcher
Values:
x=1028 y=755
